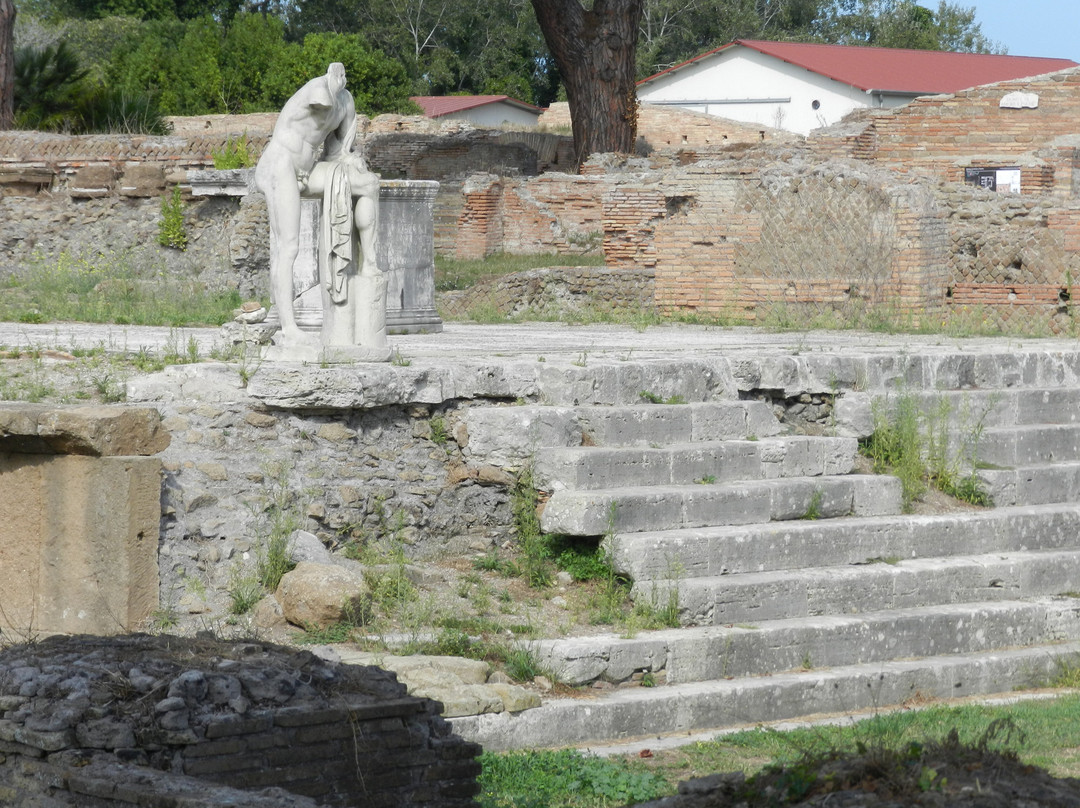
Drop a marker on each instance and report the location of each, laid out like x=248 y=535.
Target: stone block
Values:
x=142 y=180
x=103 y=431
x=92 y=181
x=319 y=594
x=78 y=552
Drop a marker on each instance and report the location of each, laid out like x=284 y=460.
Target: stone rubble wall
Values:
x=88 y=722
x=349 y=474
x=555 y=290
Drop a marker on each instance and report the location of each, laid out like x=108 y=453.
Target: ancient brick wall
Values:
x=557 y=213
x=1030 y=123
x=828 y=238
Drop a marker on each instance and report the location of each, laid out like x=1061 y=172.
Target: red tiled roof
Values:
x=898 y=70
x=435 y=106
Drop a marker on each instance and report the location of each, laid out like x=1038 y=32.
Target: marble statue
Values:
x=310 y=156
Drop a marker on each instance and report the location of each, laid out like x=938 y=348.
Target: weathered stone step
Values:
x=801 y=544
x=590 y=468
x=512 y=435
x=697 y=706
x=965 y=411
x=1032 y=485
x=774 y=646
x=1029 y=445
x=668 y=507
x=853 y=589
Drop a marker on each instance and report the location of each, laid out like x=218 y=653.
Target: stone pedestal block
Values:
x=78 y=543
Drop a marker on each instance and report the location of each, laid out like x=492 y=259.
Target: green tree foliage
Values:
x=200 y=66
x=378 y=84
x=53 y=93
x=47 y=86
x=446 y=47
x=903 y=24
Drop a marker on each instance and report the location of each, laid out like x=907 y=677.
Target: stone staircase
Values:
x=802 y=587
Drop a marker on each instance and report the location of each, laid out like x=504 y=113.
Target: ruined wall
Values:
x=143 y=721
x=828 y=238
x=1030 y=123
x=670 y=129
x=556 y=290
x=554 y=213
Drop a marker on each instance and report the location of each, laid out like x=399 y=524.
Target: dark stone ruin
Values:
x=167 y=722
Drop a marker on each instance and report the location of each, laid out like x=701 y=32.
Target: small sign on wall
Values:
x=1002 y=180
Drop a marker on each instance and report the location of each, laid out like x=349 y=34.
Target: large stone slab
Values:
x=100 y=431
x=699 y=706
x=78 y=543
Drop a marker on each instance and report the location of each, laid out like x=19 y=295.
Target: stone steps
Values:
x=869 y=586
x=640 y=712
x=1029 y=444
x=590 y=468
x=670 y=507
x=1032 y=485
x=784 y=615
x=648 y=555
x=511 y=436
x=699 y=654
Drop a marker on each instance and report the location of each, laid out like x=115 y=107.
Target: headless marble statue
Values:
x=322 y=114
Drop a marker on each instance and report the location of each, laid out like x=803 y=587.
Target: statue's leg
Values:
x=366 y=217
x=283 y=210
x=370 y=324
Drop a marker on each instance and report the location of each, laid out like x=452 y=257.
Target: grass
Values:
x=452 y=275
x=1044 y=733
x=109 y=288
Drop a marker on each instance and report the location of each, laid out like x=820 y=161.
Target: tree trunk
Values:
x=595 y=50
x=7 y=64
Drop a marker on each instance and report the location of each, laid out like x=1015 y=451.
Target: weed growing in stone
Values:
x=278 y=516
x=813 y=508
x=915 y=443
x=245 y=591
x=439 y=435
x=236 y=154
x=172 y=232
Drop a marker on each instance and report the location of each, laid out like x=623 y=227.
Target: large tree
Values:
x=7 y=64
x=595 y=50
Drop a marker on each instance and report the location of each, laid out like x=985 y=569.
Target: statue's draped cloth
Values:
x=336 y=241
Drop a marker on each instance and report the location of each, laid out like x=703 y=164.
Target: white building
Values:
x=480 y=110
x=798 y=86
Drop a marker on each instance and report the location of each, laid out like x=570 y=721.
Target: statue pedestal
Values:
x=406 y=256
x=406 y=253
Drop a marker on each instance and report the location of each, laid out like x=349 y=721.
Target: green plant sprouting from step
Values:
x=913 y=439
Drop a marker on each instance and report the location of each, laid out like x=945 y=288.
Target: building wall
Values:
x=495 y=114
x=745 y=85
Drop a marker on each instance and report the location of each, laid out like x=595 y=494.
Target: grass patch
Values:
x=109 y=288
x=565 y=778
x=452 y=275
x=1044 y=733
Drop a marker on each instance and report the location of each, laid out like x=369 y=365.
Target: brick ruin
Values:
x=892 y=207
x=166 y=722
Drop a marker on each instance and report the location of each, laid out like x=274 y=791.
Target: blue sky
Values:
x=1029 y=27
